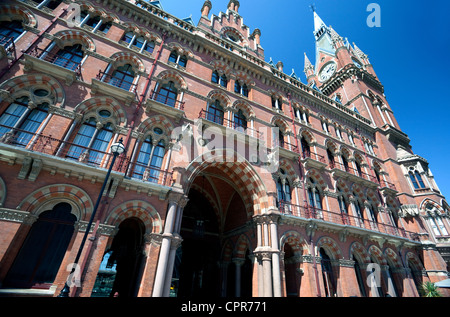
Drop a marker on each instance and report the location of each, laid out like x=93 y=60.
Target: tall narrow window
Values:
x=69 y=57
x=359 y=277
x=215 y=112
x=330 y=158
x=91 y=142
x=327 y=274
x=241 y=89
x=306 y=150
x=122 y=77
x=345 y=163
x=240 y=121
x=168 y=94
x=149 y=161
x=178 y=59
x=24 y=121
x=219 y=79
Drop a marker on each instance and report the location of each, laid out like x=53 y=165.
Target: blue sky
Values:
x=409 y=52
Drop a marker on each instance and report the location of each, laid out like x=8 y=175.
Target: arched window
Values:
x=69 y=57
x=306 y=149
x=277 y=103
x=343 y=207
x=358 y=210
x=215 y=112
x=314 y=197
x=219 y=79
x=345 y=163
x=327 y=274
x=416 y=179
x=359 y=277
x=358 y=168
x=241 y=89
x=150 y=159
x=278 y=136
x=240 y=121
x=168 y=94
x=330 y=158
x=10 y=29
x=122 y=77
x=283 y=189
x=139 y=42
x=91 y=142
x=42 y=252
x=22 y=121
x=178 y=59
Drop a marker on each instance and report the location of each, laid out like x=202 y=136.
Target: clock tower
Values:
x=343 y=73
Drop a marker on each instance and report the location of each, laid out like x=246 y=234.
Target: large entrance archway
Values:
x=212 y=261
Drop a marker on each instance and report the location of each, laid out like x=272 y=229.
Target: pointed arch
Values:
x=281 y=123
x=376 y=255
x=245 y=107
x=246 y=179
x=242 y=245
x=72 y=37
x=160 y=121
x=96 y=103
x=122 y=58
x=138 y=209
x=17 y=85
x=227 y=251
x=172 y=75
x=219 y=95
x=11 y=12
x=392 y=257
x=317 y=177
x=330 y=246
x=295 y=241
x=357 y=249
x=48 y=196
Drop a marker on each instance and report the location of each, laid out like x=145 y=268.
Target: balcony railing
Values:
x=117 y=82
x=57 y=60
x=164 y=99
x=339 y=218
x=88 y=156
x=353 y=171
x=314 y=156
x=8 y=44
x=220 y=120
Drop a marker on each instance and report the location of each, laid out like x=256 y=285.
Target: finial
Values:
x=313 y=7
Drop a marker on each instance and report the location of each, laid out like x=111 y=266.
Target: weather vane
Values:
x=313 y=7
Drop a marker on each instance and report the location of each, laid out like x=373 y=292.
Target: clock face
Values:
x=327 y=71
x=357 y=63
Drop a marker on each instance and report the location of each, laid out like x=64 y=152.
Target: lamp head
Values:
x=117 y=148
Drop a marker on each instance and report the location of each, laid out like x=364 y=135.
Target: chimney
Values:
x=206 y=8
x=280 y=66
x=233 y=5
x=257 y=36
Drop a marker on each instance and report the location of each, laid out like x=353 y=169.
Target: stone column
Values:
x=238 y=262
x=167 y=237
x=275 y=255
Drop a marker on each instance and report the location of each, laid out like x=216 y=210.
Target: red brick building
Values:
x=237 y=179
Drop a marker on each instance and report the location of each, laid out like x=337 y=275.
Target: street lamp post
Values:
x=116 y=149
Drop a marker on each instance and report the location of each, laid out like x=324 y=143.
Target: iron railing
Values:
x=82 y=154
x=220 y=120
x=342 y=218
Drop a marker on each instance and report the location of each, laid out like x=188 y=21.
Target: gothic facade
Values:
x=236 y=179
